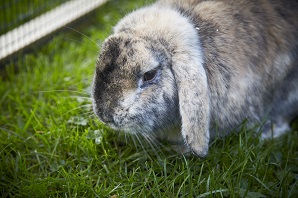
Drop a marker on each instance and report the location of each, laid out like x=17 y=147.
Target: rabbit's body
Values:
x=251 y=58
x=199 y=67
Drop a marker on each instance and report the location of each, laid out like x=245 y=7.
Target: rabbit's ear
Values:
x=194 y=101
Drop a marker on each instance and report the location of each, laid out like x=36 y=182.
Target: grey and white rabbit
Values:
x=186 y=71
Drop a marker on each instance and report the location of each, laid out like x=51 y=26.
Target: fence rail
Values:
x=40 y=26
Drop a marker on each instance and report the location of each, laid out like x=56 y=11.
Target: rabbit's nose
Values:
x=107 y=118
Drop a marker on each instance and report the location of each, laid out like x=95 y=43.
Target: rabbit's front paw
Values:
x=275 y=129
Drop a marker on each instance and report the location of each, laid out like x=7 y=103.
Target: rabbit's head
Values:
x=134 y=87
x=154 y=87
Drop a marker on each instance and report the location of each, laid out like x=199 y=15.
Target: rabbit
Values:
x=188 y=71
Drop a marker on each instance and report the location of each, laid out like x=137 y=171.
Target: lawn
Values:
x=51 y=144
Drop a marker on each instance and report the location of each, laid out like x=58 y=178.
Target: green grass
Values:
x=51 y=144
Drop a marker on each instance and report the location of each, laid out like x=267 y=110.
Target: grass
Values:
x=51 y=144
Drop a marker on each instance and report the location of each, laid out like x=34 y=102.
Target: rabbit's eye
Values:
x=150 y=75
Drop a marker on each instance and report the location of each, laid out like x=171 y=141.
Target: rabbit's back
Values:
x=251 y=57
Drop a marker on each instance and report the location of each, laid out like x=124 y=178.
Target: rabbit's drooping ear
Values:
x=193 y=97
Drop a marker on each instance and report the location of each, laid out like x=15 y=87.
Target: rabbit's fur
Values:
x=186 y=71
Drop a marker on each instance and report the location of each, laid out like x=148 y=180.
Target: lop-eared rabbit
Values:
x=187 y=71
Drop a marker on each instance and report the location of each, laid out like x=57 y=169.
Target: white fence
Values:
x=45 y=24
